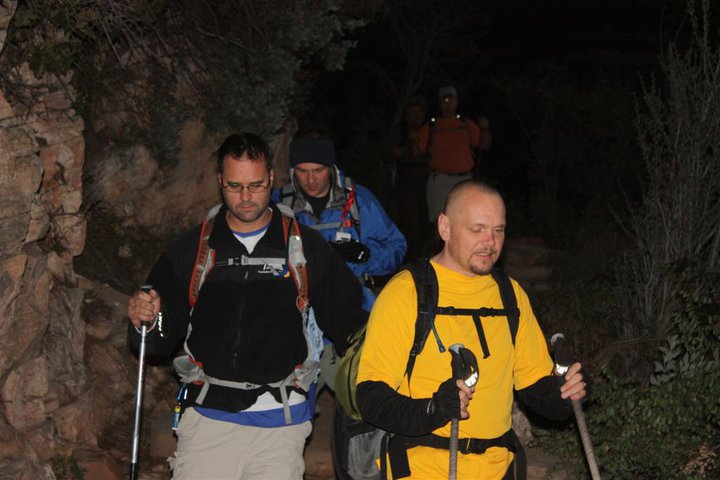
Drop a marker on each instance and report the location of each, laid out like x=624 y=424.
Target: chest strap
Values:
x=327 y=226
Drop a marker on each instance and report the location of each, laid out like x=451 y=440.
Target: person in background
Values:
x=347 y=215
x=411 y=180
x=452 y=142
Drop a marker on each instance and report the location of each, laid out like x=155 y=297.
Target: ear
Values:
x=443 y=226
x=272 y=178
x=219 y=175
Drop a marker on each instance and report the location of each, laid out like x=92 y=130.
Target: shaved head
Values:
x=473 y=228
x=456 y=193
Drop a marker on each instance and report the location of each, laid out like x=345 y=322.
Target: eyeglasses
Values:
x=256 y=187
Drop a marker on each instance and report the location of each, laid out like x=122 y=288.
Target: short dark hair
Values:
x=244 y=144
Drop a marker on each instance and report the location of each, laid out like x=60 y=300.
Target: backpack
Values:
x=357 y=454
x=303 y=375
x=463 y=121
x=288 y=197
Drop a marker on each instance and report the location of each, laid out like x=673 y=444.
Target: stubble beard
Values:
x=480 y=271
x=248 y=217
x=483 y=270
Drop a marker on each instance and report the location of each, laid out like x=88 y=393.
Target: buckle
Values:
x=464 y=445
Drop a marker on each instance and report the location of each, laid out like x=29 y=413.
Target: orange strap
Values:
x=201 y=259
x=302 y=299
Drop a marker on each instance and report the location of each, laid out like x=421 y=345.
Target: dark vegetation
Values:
x=606 y=144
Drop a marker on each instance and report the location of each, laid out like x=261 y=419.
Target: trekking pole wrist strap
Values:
x=150 y=327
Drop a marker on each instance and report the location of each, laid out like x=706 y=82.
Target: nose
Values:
x=489 y=237
x=245 y=193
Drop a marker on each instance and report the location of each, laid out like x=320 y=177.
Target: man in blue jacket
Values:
x=348 y=215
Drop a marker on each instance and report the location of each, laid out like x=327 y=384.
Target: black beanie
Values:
x=314 y=150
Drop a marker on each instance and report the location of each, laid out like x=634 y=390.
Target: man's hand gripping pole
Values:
x=563 y=360
x=465 y=368
x=138 y=395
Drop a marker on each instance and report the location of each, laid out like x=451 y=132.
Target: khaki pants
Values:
x=212 y=450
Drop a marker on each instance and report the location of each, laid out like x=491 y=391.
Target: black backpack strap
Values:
x=426 y=287
x=431 y=132
x=507 y=294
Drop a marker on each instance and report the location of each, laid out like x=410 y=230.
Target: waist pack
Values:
x=359 y=444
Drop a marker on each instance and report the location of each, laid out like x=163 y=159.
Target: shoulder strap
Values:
x=288 y=196
x=507 y=294
x=431 y=132
x=351 y=204
x=296 y=256
x=426 y=287
x=205 y=257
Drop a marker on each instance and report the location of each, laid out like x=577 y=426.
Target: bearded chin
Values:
x=480 y=271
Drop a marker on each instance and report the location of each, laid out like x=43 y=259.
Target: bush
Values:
x=676 y=219
x=668 y=426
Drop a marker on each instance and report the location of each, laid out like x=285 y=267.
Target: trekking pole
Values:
x=563 y=360
x=139 y=395
x=464 y=367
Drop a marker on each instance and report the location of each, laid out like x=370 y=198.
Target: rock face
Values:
x=51 y=402
x=67 y=377
x=42 y=336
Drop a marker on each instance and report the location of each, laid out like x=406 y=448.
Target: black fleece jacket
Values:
x=245 y=325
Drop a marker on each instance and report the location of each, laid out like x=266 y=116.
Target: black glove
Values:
x=352 y=251
x=445 y=403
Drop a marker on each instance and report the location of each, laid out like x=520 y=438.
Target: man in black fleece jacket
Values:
x=251 y=366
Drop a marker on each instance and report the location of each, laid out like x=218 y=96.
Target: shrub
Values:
x=669 y=426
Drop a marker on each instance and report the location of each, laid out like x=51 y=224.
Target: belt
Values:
x=465 y=445
x=395 y=446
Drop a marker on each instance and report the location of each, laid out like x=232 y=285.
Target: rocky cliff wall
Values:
x=61 y=369
x=67 y=377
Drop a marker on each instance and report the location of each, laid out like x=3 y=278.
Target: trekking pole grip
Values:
x=563 y=361
x=457 y=373
x=139 y=395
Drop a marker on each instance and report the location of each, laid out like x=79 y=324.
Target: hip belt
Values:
x=465 y=445
x=396 y=446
